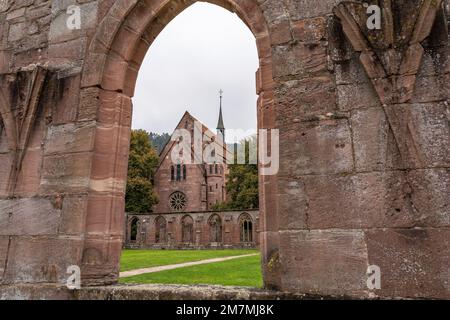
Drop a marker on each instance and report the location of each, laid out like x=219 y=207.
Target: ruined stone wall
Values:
x=230 y=226
x=364 y=130
x=364 y=172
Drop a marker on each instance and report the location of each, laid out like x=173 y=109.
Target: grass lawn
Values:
x=137 y=259
x=238 y=272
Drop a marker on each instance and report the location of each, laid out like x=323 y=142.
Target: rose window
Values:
x=177 y=201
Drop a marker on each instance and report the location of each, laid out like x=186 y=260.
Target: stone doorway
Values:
x=121 y=55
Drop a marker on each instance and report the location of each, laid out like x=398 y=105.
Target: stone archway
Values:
x=215 y=229
x=187 y=230
x=160 y=230
x=111 y=67
x=363 y=176
x=134 y=229
x=246 y=230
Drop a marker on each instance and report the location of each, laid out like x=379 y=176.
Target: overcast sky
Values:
x=204 y=49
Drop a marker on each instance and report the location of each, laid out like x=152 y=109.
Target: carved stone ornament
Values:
x=18 y=117
x=392 y=55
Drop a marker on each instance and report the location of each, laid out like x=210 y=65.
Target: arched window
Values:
x=215 y=228
x=134 y=229
x=187 y=229
x=178 y=172
x=172 y=173
x=210 y=169
x=184 y=172
x=246 y=228
x=216 y=169
x=160 y=230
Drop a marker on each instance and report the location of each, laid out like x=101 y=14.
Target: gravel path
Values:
x=136 y=272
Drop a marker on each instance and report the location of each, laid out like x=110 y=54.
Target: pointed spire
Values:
x=220 y=125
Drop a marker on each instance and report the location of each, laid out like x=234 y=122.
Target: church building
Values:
x=188 y=193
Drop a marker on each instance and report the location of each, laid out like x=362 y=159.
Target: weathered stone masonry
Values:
x=364 y=126
x=206 y=229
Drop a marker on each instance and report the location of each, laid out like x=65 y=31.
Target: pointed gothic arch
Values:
x=246 y=228
x=187 y=229
x=215 y=229
x=160 y=230
x=134 y=229
x=111 y=66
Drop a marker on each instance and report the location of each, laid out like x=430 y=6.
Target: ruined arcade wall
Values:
x=364 y=164
x=230 y=227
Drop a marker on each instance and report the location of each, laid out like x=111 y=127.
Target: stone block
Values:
x=32 y=56
x=66 y=173
x=280 y=32
x=105 y=214
x=73 y=215
x=5 y=59
x=105 y=173
x=373 y=141
x=351 y=72
x=68 y=51
x=89 y=104
x=301 y=9
x=359 y=201
x=29 y=217
x=414 y=262
x=100 y=262
x=310 y=30
x=317 y=147
x=64 y=110
x=6 y=159
x=429 y=131
x=422 y=92
x=270 y=259
x=93 y=69
x=305 y=99
x=436 y=61
x=59 y=30
x=115 y=72
x=269 y=203
x=430 y=196
x=118 y=152
x=17 y=31
x=41 y=259
x=4 y=246
x=324 y=262
x=70 y=138
x=293 y=204
x=115 y=109
x=299 y=59
x=356 y=96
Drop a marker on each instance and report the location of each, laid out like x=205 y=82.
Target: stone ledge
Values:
x=143 y=292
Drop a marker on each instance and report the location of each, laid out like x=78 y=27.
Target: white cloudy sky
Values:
x=204 y=49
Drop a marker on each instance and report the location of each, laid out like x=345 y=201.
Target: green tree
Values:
x=159 y=140
x=242 y=183
x=142 y=163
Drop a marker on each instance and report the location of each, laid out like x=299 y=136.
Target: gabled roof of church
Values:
x=205 y=131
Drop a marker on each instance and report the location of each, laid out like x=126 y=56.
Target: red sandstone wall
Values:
x=363 y=177
x=202 y=239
